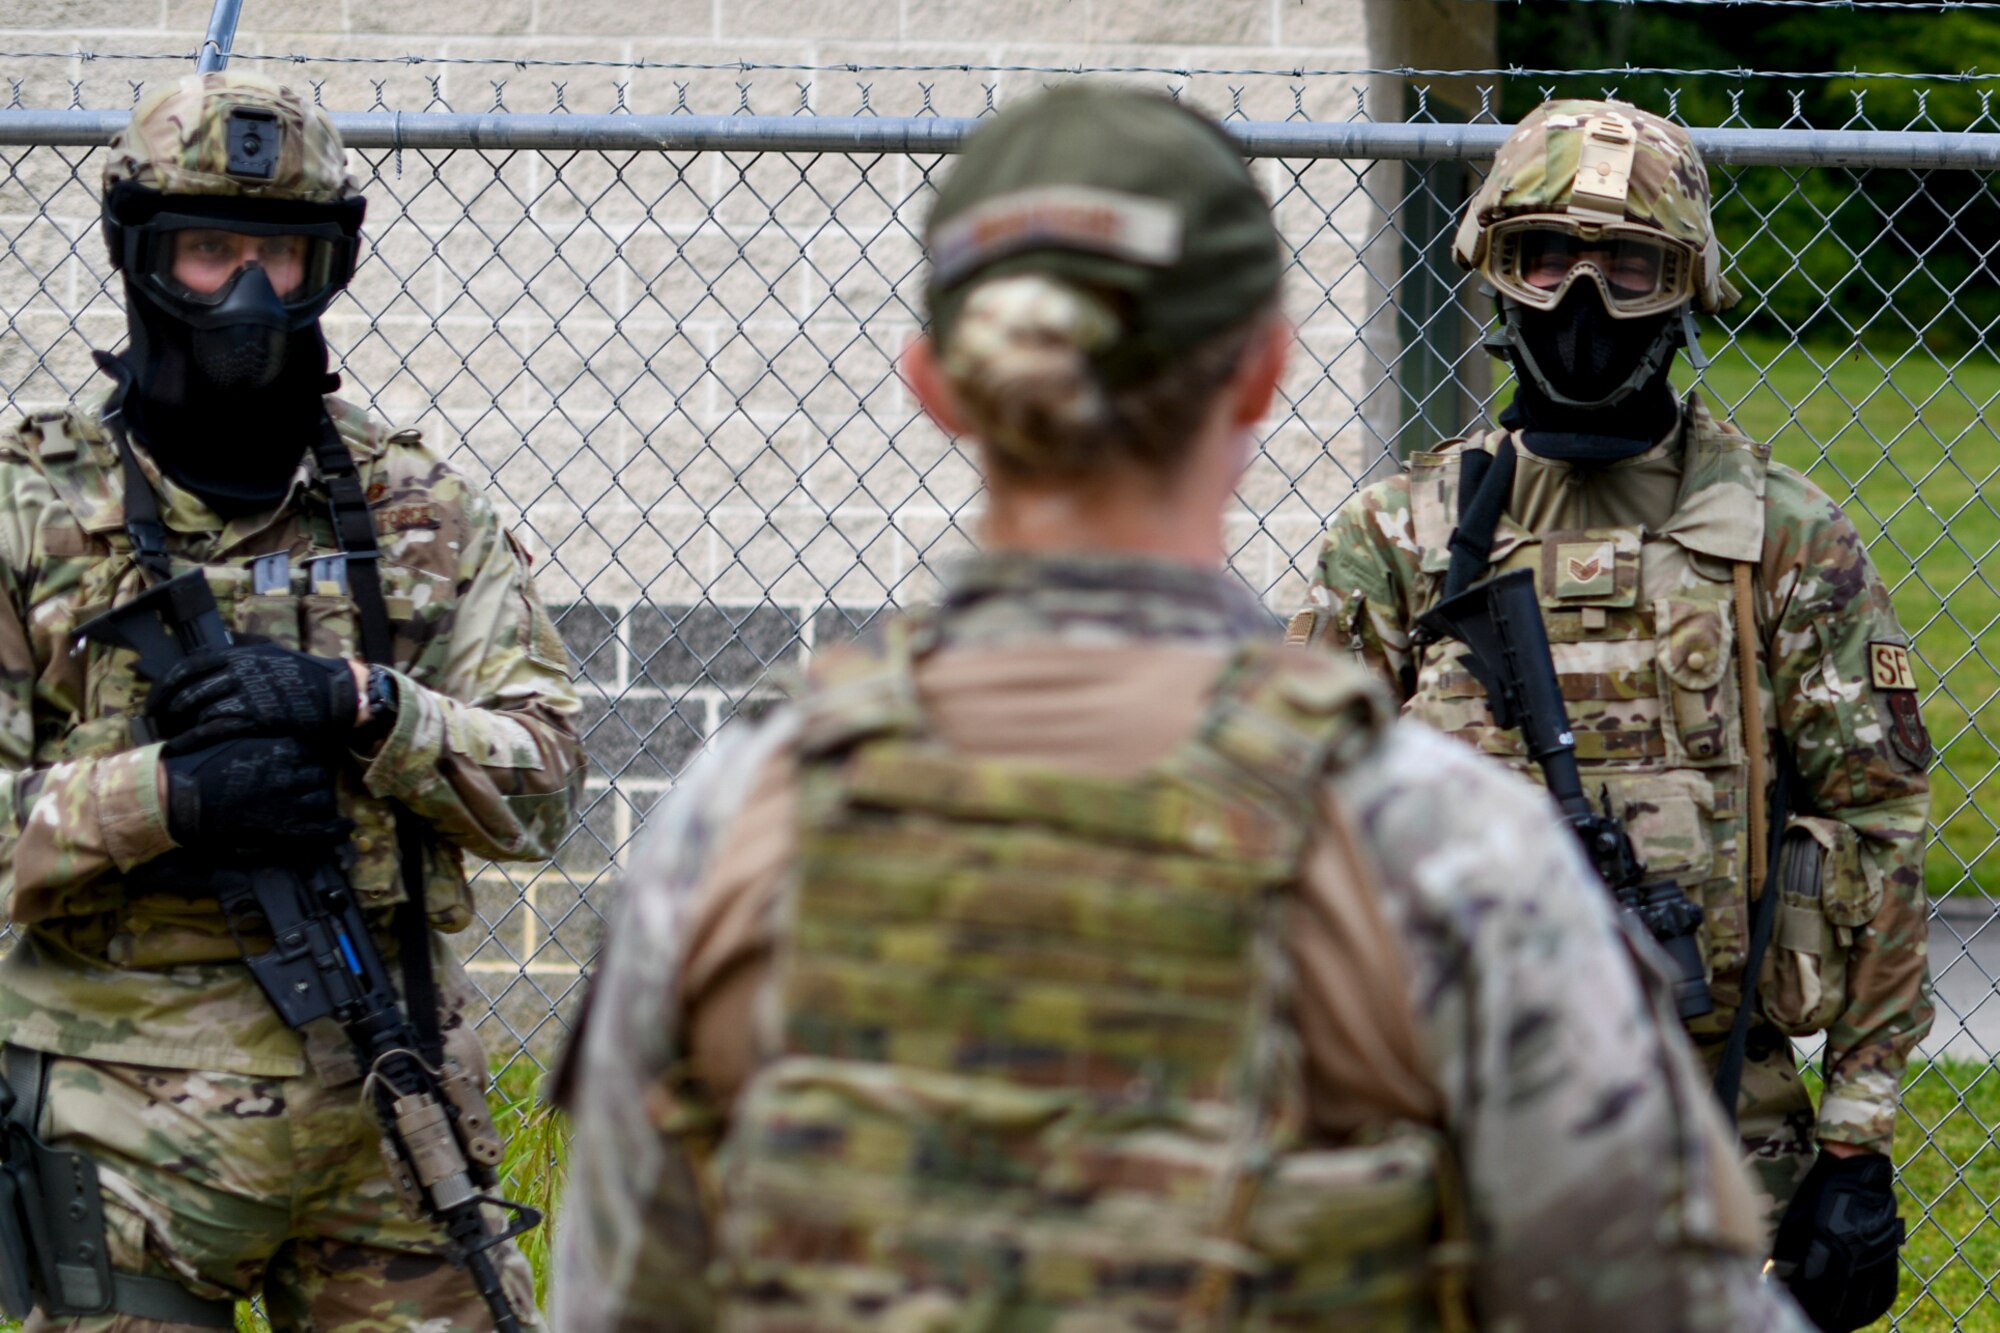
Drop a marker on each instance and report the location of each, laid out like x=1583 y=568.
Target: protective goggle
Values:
x=190 y=253
x=1535 y=260
x=194 y=262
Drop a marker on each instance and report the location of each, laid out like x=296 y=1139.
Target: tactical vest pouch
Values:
x=1701 y=718
x=1670 y=816
x=1826 y=889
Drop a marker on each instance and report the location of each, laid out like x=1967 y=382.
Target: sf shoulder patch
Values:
x=1896 y=686
x=1891 y=664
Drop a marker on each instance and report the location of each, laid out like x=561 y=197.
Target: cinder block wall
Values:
x=678 y=370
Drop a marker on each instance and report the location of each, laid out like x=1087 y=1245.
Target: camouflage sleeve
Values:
x=1846 y=702
x=1362 y=585
x=1601 y=1183
x=65 y=824
x=485 y=747
x=633 y=1238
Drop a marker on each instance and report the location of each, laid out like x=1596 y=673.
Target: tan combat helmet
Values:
x=1600 y=193
x=230 y=134
x=1598 y=168
x=239 y=154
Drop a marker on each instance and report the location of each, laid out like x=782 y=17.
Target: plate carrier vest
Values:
x=1641 y=628
x=1036 y=1070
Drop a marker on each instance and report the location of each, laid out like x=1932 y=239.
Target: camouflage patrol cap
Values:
x=233 y=135
x=1116 y=190
x=1580 y=161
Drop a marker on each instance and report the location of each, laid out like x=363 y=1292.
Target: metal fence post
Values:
x=214 y=53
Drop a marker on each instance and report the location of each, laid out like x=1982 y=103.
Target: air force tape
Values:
x=1131 y=227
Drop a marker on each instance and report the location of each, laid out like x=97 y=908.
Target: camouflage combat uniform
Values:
x=1015 y=810
x=235 y=1153
x=1633 y=561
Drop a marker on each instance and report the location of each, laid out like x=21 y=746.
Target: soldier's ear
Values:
x=1256 y=380
x=927 y=380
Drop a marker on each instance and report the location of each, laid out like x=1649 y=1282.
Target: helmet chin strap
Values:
x=1509 y=343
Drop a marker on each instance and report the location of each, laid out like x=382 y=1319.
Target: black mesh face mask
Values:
x=243 y=346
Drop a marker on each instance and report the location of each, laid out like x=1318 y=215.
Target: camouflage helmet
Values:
x=236 y=153
x=230 y=134
x=1635 y=168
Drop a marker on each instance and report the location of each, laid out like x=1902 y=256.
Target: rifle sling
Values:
x=142 y=508
x=1485 y=486
x=354 y=530
x=1765 y=835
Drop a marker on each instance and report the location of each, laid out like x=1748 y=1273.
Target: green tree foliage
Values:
x=1889 y=257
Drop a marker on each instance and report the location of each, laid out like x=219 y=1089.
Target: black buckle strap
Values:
x=354 y=529
x=142 y=506
x=75 y=1273
x=1485 y=484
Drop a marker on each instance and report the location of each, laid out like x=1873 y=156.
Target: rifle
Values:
x=437 y=1139
x=1500 y=620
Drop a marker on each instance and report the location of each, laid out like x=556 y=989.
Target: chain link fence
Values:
x=657 y=309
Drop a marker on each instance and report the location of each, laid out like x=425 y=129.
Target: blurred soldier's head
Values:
x=1593 y=230
x=231 y=217
x=1104 y=274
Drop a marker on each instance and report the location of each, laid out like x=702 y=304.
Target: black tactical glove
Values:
x=258 y=795
x=1837 y=1245
x=257 y=689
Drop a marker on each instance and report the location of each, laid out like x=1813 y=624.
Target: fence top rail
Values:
x=503 y=131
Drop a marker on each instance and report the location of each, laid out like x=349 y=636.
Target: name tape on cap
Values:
x=1064 y=217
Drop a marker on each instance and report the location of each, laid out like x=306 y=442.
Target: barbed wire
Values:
x=1972 y=75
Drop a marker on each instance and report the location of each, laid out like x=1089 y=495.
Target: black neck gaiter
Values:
x=1587 y=354
x=237 y=449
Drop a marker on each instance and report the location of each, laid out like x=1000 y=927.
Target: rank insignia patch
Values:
x=1585 y=569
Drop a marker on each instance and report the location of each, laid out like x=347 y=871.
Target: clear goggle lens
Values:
x=197 y=263
x=1638 y=271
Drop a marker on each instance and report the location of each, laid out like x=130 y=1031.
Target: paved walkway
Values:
x=1965 y=968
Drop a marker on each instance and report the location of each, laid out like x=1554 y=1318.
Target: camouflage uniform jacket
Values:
x=1599 y=1179
x=483 y=748
x=1826 y=634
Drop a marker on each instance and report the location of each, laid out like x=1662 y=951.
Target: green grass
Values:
x=1948 y=1174
x=1904 y=446
x=533 y=1171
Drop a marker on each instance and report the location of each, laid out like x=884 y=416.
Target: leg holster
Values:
x=53 y=1249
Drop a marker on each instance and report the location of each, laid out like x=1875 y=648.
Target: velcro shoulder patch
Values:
x=1889 y=667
